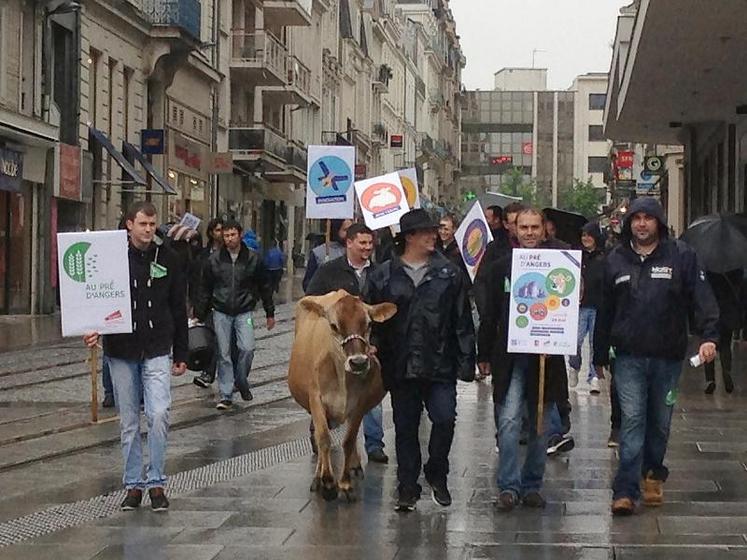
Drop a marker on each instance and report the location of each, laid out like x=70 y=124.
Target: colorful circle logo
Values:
x=474 y=242
x=381 y=198
x=538 y=312
x=411 y=191
x=330 y=176
x=560 y=282
x=553 y=303
x=530 y=288
x=522 y=308
x=522 y=322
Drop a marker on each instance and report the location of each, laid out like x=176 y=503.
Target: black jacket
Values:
x=592 y=278
x=159 y=309
x=336 y=275
x=645 y=304
x=726 y=287
x=451 y=252
x=432 y=336
x=234 y=288
x=493 y=342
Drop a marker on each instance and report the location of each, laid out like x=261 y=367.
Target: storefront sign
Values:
x=527 y=148
x=11 y=170
x=69 y=181
x=545 y=295
x=187 y=156
x=94 y=276
x=221 y=162
x=624 y=159
x=152 y=141
x=396 y=141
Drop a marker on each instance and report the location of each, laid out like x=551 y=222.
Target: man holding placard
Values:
x=141 y=362
x=517 y=374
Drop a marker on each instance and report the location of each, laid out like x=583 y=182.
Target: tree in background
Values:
x=515 y=183
x=581 y=197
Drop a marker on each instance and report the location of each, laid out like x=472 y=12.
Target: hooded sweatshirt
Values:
x=646 y=300
x=592 y=268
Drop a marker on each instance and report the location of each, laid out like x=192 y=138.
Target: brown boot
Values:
x=623 y=506
x=653 y=492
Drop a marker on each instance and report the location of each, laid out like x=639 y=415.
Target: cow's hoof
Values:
x=329 y=493
x=357 y=472
x=316 y=484
x=349 y=495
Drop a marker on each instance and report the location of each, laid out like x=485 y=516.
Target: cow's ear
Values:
x=309 y=304
x=382 y=312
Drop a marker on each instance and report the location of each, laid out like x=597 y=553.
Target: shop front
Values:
x=188 y=172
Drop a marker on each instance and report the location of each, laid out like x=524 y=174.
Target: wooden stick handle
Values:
x=94 y=358
x=328 y=238
x=541 y=395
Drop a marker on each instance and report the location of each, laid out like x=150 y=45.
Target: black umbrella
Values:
x=567 y=224
x=720 y=240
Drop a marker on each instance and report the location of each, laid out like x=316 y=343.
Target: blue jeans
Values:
x=151 y=380
x=587 y=318
x=642 y=386
x=509 y=413
x=228 y=372
x=106 y=375
x=373 y=429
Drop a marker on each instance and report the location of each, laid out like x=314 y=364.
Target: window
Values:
x=598 y=164
x=596 y=133
x=597 y=101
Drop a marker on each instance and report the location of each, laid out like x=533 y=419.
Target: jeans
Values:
x=642 y=386
x=509 y=414
x=373 y=429
x=587 y=318
x=151 y=380
x=616 y=414
x=229 y=372
x=106 y=376
x=560 y=419
x=408 y=399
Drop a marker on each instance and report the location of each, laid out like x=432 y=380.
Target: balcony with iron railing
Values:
x=183 y=14
x=288 y=12
x=259 y=57
x=297 y=87
x=251 y=142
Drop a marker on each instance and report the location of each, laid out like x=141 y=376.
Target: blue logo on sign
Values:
x=330 y=178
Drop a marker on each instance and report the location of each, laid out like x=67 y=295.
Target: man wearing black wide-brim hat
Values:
x=423 y=349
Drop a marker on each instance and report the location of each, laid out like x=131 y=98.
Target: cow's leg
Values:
x=324 y=478
x=352 y=459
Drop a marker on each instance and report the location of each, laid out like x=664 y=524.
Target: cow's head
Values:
x=350 y=321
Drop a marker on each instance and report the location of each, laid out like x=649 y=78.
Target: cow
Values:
x=334 y=374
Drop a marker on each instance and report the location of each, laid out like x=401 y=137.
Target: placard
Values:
x=545 y=296
x=409 y=180
x=472 y=237
x=94 y=275
x=330 y=176
x=382 y=199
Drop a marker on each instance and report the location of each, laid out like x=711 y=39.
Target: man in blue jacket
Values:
x=650 y=285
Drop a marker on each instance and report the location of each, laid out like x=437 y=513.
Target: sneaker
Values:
x=406 y=502
x=158 y=501
x=440 y=493
x=614 y=439
x=497 y=449
x=560 y=444
x=203 y=381
x=108 y=401
x=572 y=377
x=534 y=500
x=506 y=501
x=378 y=456
x=653 y=492
x=594 y=386
x=246 y=394
x=710 y=387
x=132 y=499
x=225 y=404
x=623 y=507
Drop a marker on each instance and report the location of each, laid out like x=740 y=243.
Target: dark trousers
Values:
x=724 y=354
x=615 y=416
x=408 y=399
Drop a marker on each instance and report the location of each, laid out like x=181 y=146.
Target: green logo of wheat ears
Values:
x=77 y=262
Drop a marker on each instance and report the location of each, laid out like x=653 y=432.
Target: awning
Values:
x=131 y=151
x=126 y=166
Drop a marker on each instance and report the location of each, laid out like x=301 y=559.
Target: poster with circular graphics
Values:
x=472 y=238
x=409 y=179
x=544 y=306
x=330 y=177
x=382 y=200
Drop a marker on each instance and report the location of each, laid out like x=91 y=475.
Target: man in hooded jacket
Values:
x=650 y=284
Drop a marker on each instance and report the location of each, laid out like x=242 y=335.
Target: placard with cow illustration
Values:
x=383 y=200
x=330 y=177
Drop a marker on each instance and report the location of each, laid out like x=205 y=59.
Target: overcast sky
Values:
x=575 y=35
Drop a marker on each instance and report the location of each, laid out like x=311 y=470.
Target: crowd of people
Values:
x=641 y=298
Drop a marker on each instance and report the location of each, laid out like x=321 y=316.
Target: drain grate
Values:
x=70 y=515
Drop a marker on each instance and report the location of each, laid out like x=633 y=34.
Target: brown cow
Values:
x=333 y=375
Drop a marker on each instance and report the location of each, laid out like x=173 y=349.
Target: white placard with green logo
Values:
x=545 y=296
x=94 y=275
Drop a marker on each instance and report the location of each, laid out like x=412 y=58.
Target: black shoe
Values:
x=378 y=456
x=710 y=388
x=132 y=500
x=440 y=494
x=614 y=439
x=108 y=401
x=203 y=380
x=224 y=405
x=506 y=501
x=728 y=382
x=534 y=500
x=560 y=444
x=158 y=501
x=246 y=394
x=406 y=502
